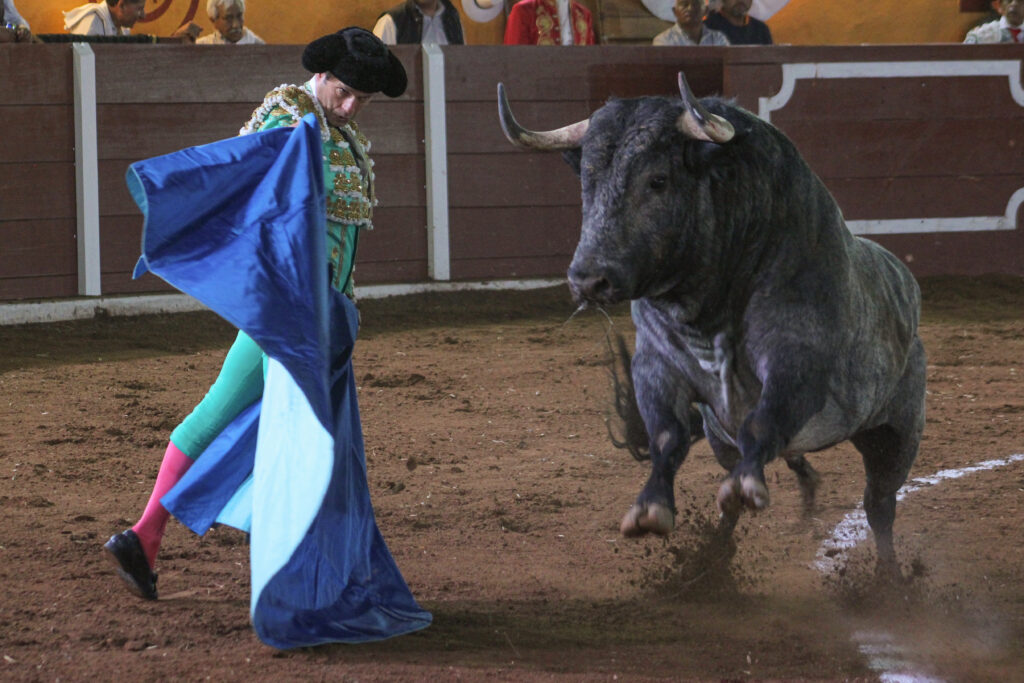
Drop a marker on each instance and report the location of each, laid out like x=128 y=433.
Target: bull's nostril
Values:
x=601 y=287
x=592 y=287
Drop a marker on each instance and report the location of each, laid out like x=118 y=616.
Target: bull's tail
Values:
x=626 y=427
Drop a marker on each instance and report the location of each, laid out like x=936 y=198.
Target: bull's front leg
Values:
x=661 y=402
x=789 y=398
x=745 y=485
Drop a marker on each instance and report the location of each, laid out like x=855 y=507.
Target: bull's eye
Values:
x=658 y=183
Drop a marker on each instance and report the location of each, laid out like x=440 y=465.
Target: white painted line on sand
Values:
x=885 y=655
x=89 y=307
x=854 y=526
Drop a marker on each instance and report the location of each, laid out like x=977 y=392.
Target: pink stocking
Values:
x=150 y=527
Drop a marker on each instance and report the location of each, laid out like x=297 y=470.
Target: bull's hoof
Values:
x=643 y=519
x=889 y=573
x=746 y=492
x=887 y=569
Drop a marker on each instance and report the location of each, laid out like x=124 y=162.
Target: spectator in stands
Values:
x=116 y=18
x=13 y=27
x=228 y=17
x=689 y=28
x=734 y=20
x=1007 y=29
x=549 y=22
x=420 y=21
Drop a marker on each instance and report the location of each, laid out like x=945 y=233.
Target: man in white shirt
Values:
x=420 y=21
x=110 y=18
x=689 y=28
x=228 y=18
x=1008 y=29
x=116 y=18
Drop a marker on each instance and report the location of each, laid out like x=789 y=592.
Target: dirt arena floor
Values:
x=499 y=493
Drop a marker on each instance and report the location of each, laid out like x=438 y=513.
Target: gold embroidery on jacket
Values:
x=348 y=183
x=336 y=253
x=343 y=210
x=350 y=187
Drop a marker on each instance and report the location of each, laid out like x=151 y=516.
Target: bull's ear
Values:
x=573 y=157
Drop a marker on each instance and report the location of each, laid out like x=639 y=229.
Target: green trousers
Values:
x=238 y=385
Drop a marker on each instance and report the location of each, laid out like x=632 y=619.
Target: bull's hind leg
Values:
x=807 y=477
x=887 y=458
x=888 y=452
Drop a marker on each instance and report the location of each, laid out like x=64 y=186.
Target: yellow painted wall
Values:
x=801 y=22
x=834 y=22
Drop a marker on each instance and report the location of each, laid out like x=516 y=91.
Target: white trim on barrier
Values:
x=791 y=73
x=1008 y=221
x=1010 y=68
x=436 y=143
x=87 y=190
x=79 y=309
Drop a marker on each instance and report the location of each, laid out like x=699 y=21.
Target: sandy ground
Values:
x=500 y=496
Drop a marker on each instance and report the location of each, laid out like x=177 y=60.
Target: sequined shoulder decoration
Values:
x=290 y=99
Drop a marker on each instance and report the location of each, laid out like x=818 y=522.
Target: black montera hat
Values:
x=358 y=59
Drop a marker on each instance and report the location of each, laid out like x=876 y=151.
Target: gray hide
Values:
x=752 y=300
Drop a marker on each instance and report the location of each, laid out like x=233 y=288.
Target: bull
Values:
x=752 y=302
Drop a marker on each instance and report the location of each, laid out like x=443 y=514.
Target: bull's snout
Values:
x=587 y=286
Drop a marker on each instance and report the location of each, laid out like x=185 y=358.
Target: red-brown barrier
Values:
x=938 y=150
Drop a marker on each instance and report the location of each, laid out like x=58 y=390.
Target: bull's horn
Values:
x=697 y=122
x=567 y=137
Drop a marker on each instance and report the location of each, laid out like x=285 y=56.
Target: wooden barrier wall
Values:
x=516 y=213
x=152 y=100
x=925 y=164
x=152 y=113
x=889 y=148
x=144 y=108
x=37 y=173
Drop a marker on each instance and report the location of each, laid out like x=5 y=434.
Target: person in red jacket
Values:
x=549 y=22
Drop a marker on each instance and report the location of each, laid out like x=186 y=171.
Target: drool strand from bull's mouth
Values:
x=579 y=308
x=585 y=305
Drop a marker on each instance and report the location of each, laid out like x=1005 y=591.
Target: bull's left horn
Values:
x=567 y=137
x=697 y=122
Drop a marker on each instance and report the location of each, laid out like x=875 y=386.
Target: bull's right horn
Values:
x=567 y=137
x=697 y=122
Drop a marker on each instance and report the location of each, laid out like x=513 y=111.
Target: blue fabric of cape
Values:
x=239 y=225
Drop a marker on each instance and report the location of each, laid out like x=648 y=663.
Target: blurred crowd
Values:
x=527 y=22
